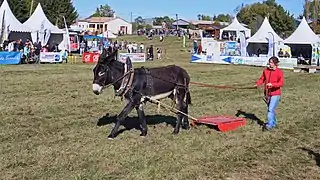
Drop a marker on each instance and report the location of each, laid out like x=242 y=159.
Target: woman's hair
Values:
x=275 y=60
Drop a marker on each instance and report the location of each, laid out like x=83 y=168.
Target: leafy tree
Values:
x=223 y=18
x=54 y=10
x=311 y=13
x=104 y=11
x=280 y=19
x=204 y=17
x=159 y=20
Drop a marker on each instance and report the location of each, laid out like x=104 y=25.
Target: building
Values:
x=102 y=24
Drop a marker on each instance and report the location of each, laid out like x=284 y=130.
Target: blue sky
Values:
x=185 y=8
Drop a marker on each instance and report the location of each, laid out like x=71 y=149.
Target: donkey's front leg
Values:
x=122 y=116
x=143 y=121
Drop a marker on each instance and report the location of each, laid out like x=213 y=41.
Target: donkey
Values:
x=157 y=83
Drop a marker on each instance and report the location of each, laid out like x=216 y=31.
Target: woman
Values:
x=272 y=78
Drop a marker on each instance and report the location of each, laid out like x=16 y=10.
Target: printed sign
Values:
x=10 y=57
x=90 y=57
x=134 y=57
x=50 y=57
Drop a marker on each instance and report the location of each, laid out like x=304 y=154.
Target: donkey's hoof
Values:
x=111 y=137
x=143 y=134
x=186 y=126
x=175 y=132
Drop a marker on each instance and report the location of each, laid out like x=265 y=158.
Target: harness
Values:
x=149 y=81
x=127 y=79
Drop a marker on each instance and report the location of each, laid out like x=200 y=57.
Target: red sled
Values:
x=223 y=123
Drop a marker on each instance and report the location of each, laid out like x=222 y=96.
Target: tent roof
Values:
x=38 y=19
x=235 y=26
x=261 y=36
x=108 y=34
x=11 y=21
x=302 y=35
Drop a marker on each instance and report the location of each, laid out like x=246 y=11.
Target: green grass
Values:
x=49 y=115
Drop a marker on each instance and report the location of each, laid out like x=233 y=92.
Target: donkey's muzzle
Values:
x=97 y=89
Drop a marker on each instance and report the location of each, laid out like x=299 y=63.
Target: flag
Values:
x=3 y=28
x=243 y=44
x=270 y=45
x=68 y=36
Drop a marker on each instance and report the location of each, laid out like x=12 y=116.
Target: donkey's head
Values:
x=102 y=74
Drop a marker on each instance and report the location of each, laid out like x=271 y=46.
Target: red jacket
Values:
x=275 y=77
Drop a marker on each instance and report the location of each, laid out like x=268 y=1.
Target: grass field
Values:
x=49 y=117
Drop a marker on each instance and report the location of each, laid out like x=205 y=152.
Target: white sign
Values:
x=285 y=63
x=134 y=57
x=50 y=57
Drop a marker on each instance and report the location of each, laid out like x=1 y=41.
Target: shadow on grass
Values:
x=251 y=116
x=134 y=123
x=315 y=154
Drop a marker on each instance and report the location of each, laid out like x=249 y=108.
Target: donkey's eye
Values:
x=101 y=73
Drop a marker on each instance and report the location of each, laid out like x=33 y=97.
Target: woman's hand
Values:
x=269 y=85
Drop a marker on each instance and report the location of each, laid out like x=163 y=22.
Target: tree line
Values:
x=54 y=10
x=282 y=21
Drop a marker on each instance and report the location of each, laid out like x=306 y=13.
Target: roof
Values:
x=262 y=35
x=181 y=22
x=10 y=21
x=302 y=35
x=38 y=21
x=100 y=19
x=235 y=26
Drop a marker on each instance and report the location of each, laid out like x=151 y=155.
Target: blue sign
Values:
x=10 y=57
x=57 y=57
x=209 y=58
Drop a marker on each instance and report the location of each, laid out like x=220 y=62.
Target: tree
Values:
x=54 y=10
x=159 y=20
x=223 y=18
x=204 y=17
x=280 y=19
x=311 y=13
x=104 y=11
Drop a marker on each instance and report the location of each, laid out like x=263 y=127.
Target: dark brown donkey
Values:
x=154 y=83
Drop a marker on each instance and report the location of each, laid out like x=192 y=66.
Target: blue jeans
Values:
x=272 y=106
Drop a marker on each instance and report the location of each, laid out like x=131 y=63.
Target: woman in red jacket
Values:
x=273 y=80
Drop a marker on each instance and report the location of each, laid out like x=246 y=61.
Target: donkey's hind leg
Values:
x=181 y=107
x=143 y=121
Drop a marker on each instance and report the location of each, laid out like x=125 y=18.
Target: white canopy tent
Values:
x=262 y=35
x=9 y=22
x=258 y=43
x=42 y=28
x=237 y=27
x=108 y=34
x=302 y=35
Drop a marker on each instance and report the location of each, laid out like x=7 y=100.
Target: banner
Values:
x=134 y=57
x=10 y=57
x=229 y=48
x=243 y=44
x=90 y=57
x=285 y=63
x=315 y=54
x=50 y=57
x=270 y=45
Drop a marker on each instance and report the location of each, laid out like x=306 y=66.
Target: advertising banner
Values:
x=90 y=57
x=134 y=57
x=10 y=57
x=50 y=57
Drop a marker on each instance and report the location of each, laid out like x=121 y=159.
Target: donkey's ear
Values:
x=103 y=55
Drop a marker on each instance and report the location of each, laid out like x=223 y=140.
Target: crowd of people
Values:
x=30 y=51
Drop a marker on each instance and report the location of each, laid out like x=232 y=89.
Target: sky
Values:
x=184 y=8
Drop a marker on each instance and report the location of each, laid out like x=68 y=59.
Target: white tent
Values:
x=237 y=27
x=108 y=34
x=302 y=35
x=262 y=35
x=41 y=26
x=11 y=23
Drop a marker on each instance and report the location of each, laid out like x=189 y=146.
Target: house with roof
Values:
x=103 y=24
